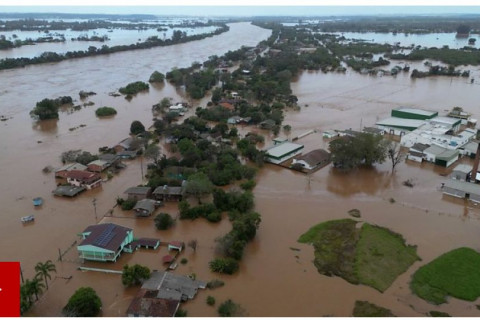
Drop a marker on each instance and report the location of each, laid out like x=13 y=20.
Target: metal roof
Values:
x=400 y=122
x=464 y=168
x=416 y=111
x=467 y=187
x=138 y=190
x=281 y=150
x=106 y=235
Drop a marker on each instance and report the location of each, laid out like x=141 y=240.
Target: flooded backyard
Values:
x=273 y=279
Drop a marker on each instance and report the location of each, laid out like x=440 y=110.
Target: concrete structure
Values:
x=469 y=149
x=462 y=189
x=138 y=193
x=160 y=296
x=104 y=242
x=452 y=124
x=412 y=113
x=328 y=134
x=145 y=207
x=283 y=152
x=441 y=156
x=178 y=108
x=461 y=172
x=62 y=172
x=314 y=159
x=416 y=152
x=85 y=179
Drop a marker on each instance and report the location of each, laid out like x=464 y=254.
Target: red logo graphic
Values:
x=9 y=289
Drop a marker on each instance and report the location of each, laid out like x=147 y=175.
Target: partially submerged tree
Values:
x=134 y=275
x=43 y=270
x=46 y=109
x=395 y=154
x=198 y=185
x=163 y=221
x=137 y=127
x=83 y=303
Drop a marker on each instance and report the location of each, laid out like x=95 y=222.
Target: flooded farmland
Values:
x=273 y=280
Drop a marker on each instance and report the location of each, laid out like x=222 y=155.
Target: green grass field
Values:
x=455 y=273
x=382 y=256
x=371 y=255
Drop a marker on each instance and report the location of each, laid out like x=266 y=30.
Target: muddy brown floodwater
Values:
x=273 y=280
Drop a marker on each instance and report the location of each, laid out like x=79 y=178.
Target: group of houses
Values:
x=284 y=150
x=79 y=177
x=148 y=199
x=437 y=139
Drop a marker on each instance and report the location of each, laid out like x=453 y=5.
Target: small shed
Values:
x=416 y=152
x=462 y=189
x=313 y=159
x=138 y=193
x=461 y=172
x=98 y=165
x=144 y=207
x=176 y=245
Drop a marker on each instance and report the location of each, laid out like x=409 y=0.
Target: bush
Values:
x=134 y=87
x=105 y=111
x=83 y=303
x=224 y=265
x=163 y=221
x=181 y=313
x=128 y=204
x=156 y=77
x=213 y=284
x=210 y=300
x=184 y=261
x=230 y=309
x=248 y=185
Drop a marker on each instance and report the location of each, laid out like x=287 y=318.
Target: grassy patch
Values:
x=367 y=309
x=455 y=273
x=370 y=255
x=382 y=256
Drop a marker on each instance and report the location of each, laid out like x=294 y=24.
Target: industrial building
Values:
x=282 y=152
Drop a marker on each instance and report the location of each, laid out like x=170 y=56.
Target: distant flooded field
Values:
x=277 y=276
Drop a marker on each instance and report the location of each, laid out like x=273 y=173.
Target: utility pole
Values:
x=94 y=202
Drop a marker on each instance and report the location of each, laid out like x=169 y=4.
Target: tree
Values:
x=163 y=221
x=156 y=77
x=43 y=270
x=46 y=109
x=224 y=265
x=365 y=148
x=35 y=286
x=153 y=153
x=198 y=185
x=83 y=303
x=395 y=154
x=230 y=309
x=137 y=127
x=134 y=275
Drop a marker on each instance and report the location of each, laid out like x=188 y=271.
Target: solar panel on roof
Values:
x=106 y=236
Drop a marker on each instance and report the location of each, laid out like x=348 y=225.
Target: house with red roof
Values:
x=85 y=179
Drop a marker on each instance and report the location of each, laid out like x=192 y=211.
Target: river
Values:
x=273 y=280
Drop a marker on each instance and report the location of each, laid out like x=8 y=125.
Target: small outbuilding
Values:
x=144 y=207
x=168 y=193
x=63 y=171
x=416 y=152
x=461 y=172
x=98 y=165
x=462 y=189
x=176 y=245
x=138 y=193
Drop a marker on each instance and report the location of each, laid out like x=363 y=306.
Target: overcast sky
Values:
x=244 y=7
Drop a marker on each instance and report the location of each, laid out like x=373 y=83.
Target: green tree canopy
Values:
x=163 y=221
x=198 y=185
x=156 y=77
x=83 y=303
x=137 y=127
x=134 y=275
x=46 y=109
x=43 y=270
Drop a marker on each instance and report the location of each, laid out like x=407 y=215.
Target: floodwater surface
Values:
x=277 y=276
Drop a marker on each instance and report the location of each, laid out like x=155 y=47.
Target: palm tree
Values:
x=36 y=287
x=44 y=269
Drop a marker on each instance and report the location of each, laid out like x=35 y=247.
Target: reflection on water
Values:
x=46 y=126
x=363 y=180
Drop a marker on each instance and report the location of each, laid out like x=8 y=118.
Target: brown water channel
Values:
x=273 y=280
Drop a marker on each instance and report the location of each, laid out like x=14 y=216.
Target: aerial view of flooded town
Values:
x=241 y=164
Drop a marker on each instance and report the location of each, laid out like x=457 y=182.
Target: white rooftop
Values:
x=400 y=122
x=445 y=120
x=282 y=149
x=417 y=111
x=463 y=186
x=465 y=168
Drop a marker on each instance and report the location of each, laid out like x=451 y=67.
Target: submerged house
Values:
x=98 y=165
x=63 y=171
x=161 y=295
x=314 y=159
x=462 y=189
x=168 y=193
x=138 y=193
x=461 y=172
x=441 y=156
x=145 y=207
x=282 y=152
x=416 y=152
x=85 y=179
x=104 y=242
